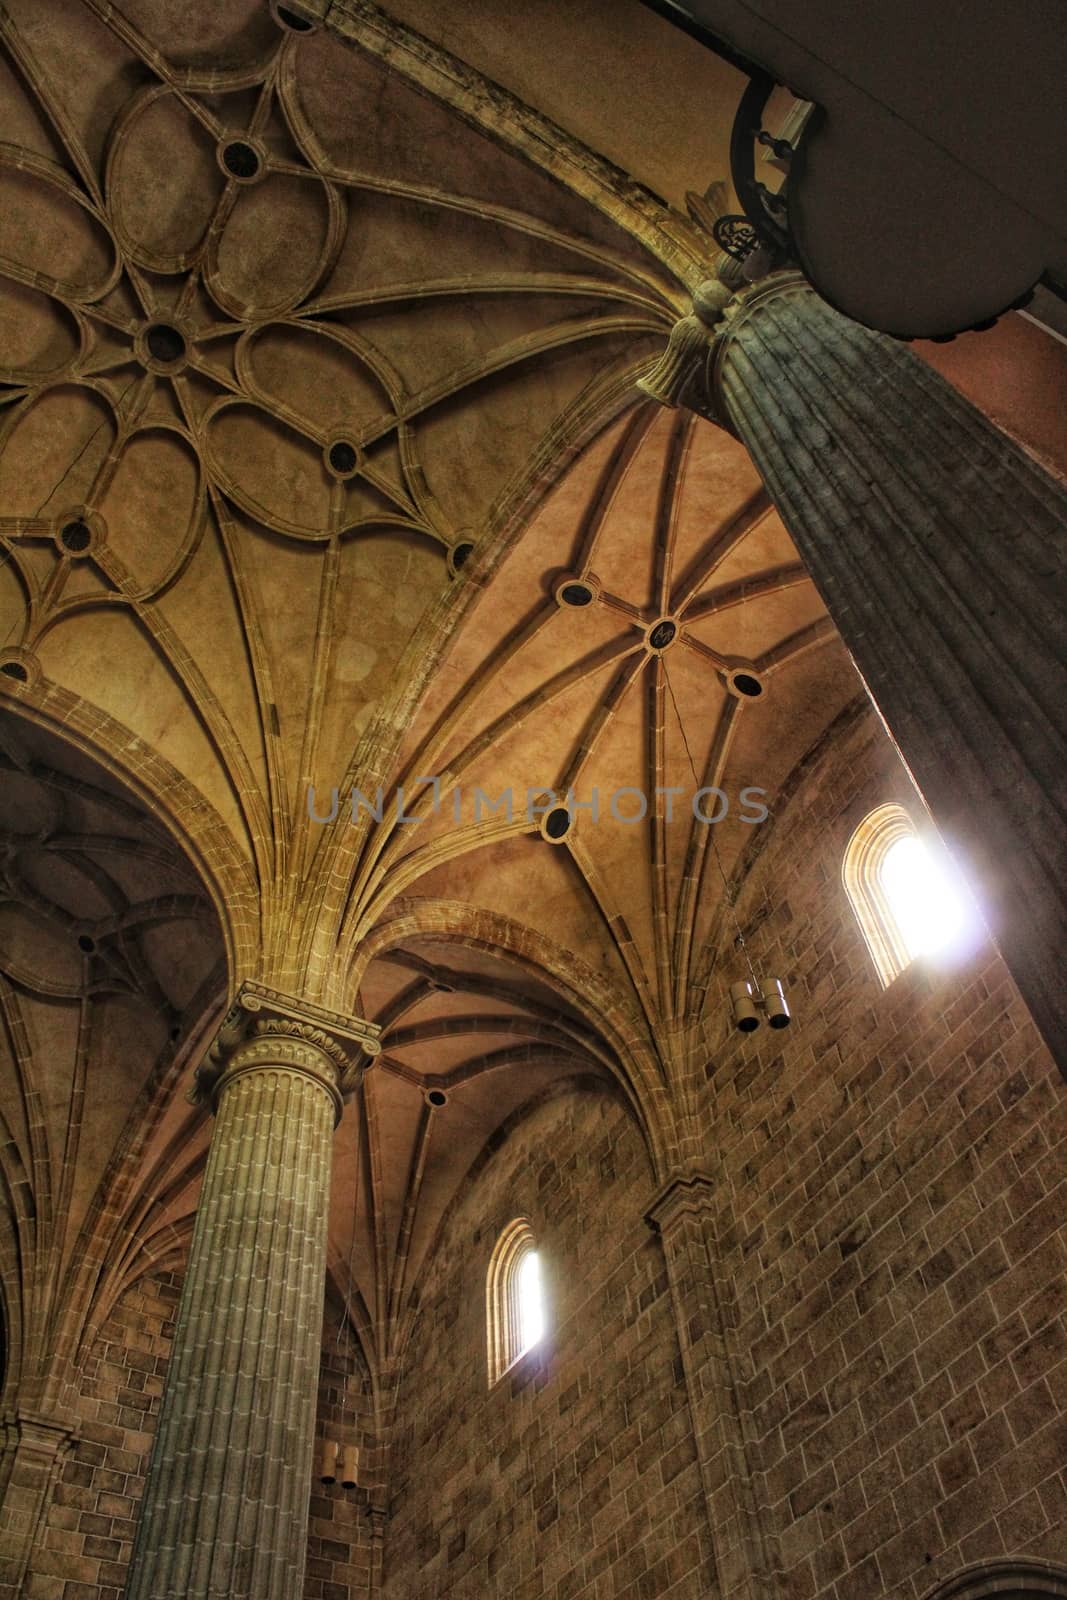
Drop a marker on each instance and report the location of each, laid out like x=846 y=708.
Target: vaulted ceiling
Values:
x=110 y=952
x=322 y=464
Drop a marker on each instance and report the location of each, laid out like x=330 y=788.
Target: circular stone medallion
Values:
x=342 y=458
x=75 y=537
x=661 y=634
x=556 y=824
x=78 y=532
x=459 y=555
x=289 y=20
x=164 y=342
x=19 y=666
x=744 y=683
x=574 y=591
x=240 y=159
x=162 y=345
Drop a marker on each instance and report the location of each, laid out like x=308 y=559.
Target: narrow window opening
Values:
x=531 y=1311
x=515 y=1304
x=927 y=905
x=908 y=901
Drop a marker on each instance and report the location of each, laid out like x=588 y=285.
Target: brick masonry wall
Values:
x=575 y=1478
x=84 y=1547
x=891 y=1216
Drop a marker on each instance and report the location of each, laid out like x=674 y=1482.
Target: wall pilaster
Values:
x=682 y=1214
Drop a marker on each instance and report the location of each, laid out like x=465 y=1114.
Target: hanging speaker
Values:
x=745 y=1014
x=350 y=1465
x=775 y=1004
x=328 y=1465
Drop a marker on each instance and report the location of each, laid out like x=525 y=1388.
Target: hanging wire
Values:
x=727 y=893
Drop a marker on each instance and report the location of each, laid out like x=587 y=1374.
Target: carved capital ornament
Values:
x=265 y=1029
x=686 y=374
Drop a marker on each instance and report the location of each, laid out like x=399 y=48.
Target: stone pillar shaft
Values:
x=939 y=548
x=682 y=1214
x=226 y=1504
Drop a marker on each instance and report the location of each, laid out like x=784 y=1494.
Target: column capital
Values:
x=687 y=372
x=685 y=1194
x=265 y=1028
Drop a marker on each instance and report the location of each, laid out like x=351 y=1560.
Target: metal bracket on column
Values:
x=332 y=1031
x=764 y=211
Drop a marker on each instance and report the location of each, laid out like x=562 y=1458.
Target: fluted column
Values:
x=682 y=1214
x=938 y=546
x=225 y=1508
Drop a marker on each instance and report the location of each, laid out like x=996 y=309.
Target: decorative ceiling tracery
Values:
x=565 y=677
x=277 y=341
x=319 y=400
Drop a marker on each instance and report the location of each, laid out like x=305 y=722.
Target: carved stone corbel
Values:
x=682 y=375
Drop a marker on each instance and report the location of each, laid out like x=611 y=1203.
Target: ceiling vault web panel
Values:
x=280 y=334
x=322 y=464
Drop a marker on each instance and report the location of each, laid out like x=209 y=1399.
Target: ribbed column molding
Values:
x=682 y=1214
x=225 y=1508
x=938 y=547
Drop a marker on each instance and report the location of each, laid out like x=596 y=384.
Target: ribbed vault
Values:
x=283 y=340
x=318 y=399
x=110 y=953
x=497 y=960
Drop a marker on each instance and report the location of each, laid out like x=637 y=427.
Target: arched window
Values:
x=1013 y=1579
x=906 y=897
x=515 y=1305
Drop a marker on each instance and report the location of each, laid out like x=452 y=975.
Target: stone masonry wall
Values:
x=891 y=1216
x=84 y=1547
x=339 y=1542
x=575 y=1476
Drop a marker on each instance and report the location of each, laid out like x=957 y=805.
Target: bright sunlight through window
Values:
x=531 y=1310
x=515 y=1301
x=926 y=905
x=906 y=896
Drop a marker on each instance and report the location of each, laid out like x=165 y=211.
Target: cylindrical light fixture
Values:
x=328 y=1465
x=745 y=1013
x=349 y=1466
x=774 y=1003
